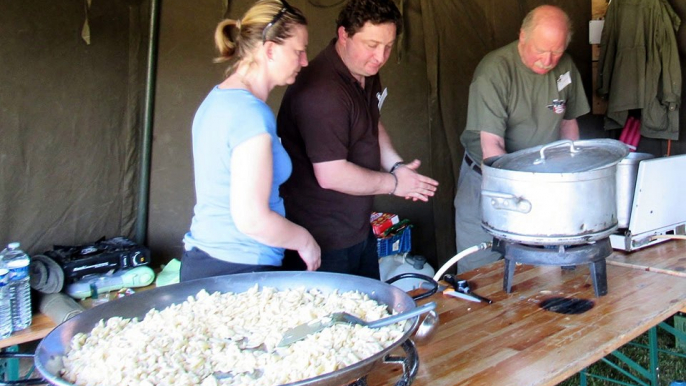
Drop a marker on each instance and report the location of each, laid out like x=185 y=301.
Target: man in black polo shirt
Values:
x=329 y=124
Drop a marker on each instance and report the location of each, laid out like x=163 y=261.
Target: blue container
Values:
x=395 y=245
x=678 y=383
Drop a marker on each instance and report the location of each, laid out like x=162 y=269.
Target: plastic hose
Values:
x=459 y=256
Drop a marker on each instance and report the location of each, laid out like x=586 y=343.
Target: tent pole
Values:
x=146 y=140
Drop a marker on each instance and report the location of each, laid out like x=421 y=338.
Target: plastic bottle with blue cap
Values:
x=5 y=310
x=17 y=263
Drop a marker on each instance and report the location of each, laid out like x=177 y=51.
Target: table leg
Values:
x=9 y=367
x=647 y=376
x=654 y=367
x=680 y=325
x=583 y=379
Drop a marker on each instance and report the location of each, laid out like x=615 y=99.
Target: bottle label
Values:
x=4 y=277
x=18 y=273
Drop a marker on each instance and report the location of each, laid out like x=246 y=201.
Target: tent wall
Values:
x=70 y=113
x=69 y=120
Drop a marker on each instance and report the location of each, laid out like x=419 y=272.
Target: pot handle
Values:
x=569 y=142
x=411 y=275
x=507 y=201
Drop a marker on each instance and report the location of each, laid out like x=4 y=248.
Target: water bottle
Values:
x=5 y=310
x=17 y=262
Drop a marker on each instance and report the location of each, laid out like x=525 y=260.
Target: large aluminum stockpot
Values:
x=563 y=193
x=627 y=172
x=49 y=353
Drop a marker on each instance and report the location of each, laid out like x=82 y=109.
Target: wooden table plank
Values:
x=516 y=342
x=40 y=326
x=668 y=257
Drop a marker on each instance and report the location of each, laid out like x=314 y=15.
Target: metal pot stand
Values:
x=593 y=254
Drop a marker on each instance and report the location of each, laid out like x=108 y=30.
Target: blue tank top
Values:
x=224 y=120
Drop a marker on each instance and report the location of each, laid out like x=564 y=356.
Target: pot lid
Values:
x=565 y=156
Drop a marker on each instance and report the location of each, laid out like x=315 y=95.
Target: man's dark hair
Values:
x=358 y=12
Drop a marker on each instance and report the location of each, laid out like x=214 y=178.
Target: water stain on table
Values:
x=567 y=306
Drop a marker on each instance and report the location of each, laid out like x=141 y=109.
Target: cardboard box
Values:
x=382 y=221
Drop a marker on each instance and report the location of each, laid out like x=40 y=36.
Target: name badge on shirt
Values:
x=381 y=96
x=563 y=81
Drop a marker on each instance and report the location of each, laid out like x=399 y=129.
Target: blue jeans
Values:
x=197 y=264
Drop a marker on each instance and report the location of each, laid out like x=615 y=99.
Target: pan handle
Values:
x=410 y=363
x=411 y=275
x=507 y=201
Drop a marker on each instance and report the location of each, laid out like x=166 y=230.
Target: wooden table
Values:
x=40 y=326
x=668 y=257
x=516 y=342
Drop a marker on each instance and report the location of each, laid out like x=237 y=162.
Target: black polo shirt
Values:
x=326 y=116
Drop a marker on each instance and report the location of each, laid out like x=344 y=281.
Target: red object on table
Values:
x=382 y=221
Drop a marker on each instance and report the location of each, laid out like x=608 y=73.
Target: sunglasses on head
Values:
x=286 y=8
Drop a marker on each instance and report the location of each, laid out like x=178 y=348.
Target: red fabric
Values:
x=634 y=134
x=631 y=133
x=625 y=130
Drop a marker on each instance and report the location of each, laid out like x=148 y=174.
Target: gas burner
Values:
x=593 y=254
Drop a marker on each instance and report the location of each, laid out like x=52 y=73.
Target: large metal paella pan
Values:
x=49 y=353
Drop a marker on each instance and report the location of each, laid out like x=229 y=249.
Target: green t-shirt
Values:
x=506 y=98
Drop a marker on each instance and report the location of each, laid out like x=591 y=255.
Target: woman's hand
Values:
x=311 y=254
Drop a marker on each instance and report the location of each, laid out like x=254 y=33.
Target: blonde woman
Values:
x=238 y=222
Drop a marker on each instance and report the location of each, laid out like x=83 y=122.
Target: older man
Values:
x=524 y=94
x=329 y=122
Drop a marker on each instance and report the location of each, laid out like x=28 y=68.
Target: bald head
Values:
x=543 y=38
x=548 y=16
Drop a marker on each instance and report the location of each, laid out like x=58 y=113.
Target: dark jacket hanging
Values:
x=639 y=66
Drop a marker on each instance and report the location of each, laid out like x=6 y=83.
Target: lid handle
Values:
x=569 y=142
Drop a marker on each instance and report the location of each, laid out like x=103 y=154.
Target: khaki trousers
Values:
x=468 y=220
